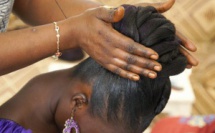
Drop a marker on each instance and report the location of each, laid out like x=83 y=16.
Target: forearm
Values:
x=38 y=12
x=23 y=47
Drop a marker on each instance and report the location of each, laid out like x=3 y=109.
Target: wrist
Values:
x=68 y=33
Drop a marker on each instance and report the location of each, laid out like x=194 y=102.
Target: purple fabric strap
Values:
x=8 y=126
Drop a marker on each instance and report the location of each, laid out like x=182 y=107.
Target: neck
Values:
x=35 y=105
x=59 y=84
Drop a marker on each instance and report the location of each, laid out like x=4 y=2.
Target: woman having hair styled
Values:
x=90 y=99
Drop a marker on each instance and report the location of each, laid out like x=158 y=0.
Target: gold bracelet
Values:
x=58 y=53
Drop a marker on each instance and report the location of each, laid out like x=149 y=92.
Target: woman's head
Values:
x=124 y=104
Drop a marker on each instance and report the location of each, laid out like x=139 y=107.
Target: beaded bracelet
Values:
x=58 y=53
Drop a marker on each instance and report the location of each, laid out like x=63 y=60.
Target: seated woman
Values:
x=94 y=99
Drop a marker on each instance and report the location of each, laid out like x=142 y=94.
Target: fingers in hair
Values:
x=163 y=7
x=134 y=48
x=123 y=73
x=191 y=60
x=160 y=7
x=135 y=69
x=139 y=61
x=186 y=42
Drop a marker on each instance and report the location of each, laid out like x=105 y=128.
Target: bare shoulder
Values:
x=35 y=96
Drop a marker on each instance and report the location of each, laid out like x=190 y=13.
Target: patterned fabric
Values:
x=8 y=126
x=5 y=10
x=194 y=124
x=198 y=121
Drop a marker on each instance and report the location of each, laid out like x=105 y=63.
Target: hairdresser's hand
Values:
x=187 y=47
x=160 y=7
x=111 y=49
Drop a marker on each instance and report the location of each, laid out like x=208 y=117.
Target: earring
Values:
x=69 y=124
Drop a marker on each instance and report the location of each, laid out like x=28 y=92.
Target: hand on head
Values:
x=118 y=102
x=187 y=46
x=121 y=54
x=110 y=48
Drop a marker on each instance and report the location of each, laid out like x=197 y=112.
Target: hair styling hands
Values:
x=123 y=102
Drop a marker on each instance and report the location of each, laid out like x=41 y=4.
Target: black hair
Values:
x=129 y=103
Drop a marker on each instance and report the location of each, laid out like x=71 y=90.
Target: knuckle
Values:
x=106 y=38
x=110 y=14
x=99 y=12
x=145 y=52
x=145 y=73
x=131 y=59
x=127 y=67
x=127 y=42
x=117 y=71
x=131 y=48
x=149 y=64
x=127 y=75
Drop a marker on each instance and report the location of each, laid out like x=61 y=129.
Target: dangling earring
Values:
x=69 y=124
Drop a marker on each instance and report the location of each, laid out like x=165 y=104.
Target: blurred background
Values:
x=193 y=91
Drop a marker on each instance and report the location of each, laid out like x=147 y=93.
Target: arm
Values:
x=24 y=47
x=37 y=12
x=91 y=30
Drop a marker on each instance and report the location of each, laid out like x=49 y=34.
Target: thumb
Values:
x=160 y=7
x=163 y=7
x=109 y=14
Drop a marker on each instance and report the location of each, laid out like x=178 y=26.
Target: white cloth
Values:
x=5 y=10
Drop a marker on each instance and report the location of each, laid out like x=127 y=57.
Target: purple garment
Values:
x=9 y=126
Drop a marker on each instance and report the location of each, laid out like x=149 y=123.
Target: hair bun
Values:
x=151 y=29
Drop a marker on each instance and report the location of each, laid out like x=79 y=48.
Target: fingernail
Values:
x=135 y=77
x=155 y=57
x=152 y=75
x=157 y=68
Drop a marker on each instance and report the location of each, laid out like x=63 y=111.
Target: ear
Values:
x=79 y=100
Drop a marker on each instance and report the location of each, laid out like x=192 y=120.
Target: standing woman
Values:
x=68 y=24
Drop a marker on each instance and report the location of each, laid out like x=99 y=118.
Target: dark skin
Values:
x=84 y=28
x=47 y=101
